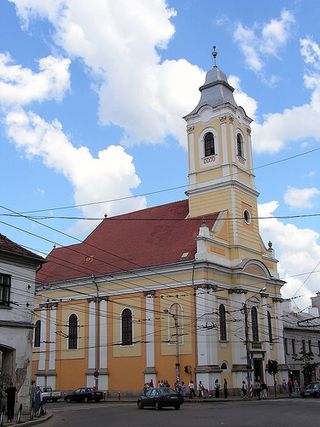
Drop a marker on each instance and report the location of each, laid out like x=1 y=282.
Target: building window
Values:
x=247 y=216
x=310 y=346
x=286 y=346
x=126 y=326
x=5 y=286
x=293 y=342
x=223 y=324
x=175 y=324
x=73 y=332
x=303 y=346
x=209 y=149
x=269 y=326
x=239 y=145
x=254 y=320
x=37 y=333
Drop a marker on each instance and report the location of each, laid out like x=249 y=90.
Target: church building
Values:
x=186 y=290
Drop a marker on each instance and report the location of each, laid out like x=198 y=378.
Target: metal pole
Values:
x=247 y=346
x=97 y=327
x=176 y=324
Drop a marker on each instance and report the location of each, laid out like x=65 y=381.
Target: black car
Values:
x=84 y=394
x=312 y=390
x=160 y=397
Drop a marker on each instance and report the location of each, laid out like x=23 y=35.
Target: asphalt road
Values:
x=275 y=413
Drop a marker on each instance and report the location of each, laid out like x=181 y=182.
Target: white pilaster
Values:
x=206 y=333
x=150 y=359
x=92 y=336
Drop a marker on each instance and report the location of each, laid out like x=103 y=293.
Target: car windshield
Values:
x=166 y=390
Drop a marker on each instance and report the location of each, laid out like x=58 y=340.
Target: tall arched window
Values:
x=223 y=324
x=37 y=333
x=254 y=320
x=126 y=327
x=239 y=145
x=269 y=326
x=73 y=332
x=175 y=324
x=209 y=149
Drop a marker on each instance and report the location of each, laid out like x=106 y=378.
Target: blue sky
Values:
x=91 y=106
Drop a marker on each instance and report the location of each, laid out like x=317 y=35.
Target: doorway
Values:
x=258 y=369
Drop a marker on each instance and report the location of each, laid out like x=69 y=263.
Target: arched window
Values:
x=209 y=149
x=223 y=324
x=73 y=332
x=254 y=320
x=269 y=326
x=126 y=327
x=37 y=333
x=175 y=324
x=239 y=145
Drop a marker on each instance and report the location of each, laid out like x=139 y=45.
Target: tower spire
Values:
x=214 y=53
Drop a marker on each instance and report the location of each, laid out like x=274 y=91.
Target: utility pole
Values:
x=176 y=324
x=97 y=333
x=245 y=308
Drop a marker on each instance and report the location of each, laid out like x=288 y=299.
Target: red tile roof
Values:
x=8 y=247
x=142 y=239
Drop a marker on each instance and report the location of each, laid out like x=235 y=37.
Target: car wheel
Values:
x=140 y=404
x=157 y=406
x=177 y=407
x=68 y=400
x=86 y=400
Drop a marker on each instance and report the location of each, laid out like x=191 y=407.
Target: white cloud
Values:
x=110 y=175
x=301 y=197
x=20 y=86
x=300 y=254
x=258 y=42
x=310 y=50
x=138 y=92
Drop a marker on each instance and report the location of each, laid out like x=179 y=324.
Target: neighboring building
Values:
x=187 y=289
x=301 y=333
x=18 y=268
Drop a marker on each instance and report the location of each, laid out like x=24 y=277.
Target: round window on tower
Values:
x=247 y=216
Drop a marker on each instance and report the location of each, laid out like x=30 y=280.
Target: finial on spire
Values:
x=214 y=53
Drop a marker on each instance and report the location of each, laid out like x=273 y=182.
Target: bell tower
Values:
x=221 y=175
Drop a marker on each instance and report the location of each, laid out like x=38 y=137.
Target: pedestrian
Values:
x=284 y=386
x=290 y=386
x=216 y=389
x=151 y=383
x=11 y=400
x=37 y=401
x=225 y=388
x=200 y=389
x=183 y=389
x=264 y=390
x=192 y=392
x=257 y=388
x=244 y=389
x=32 y=393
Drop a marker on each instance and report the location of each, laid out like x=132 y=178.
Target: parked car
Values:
x=48 y=395
x=311 y=390
x=84 y=394
x=160 y=397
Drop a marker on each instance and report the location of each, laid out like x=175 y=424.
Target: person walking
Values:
x=216 y=389
x=192 y=392
x=264 y=390
x=257 y=388
x=11 y=400
x=244 y=389
x=225 y=388
x=200 y=388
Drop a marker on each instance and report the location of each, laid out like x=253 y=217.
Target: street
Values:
x=282 y=412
